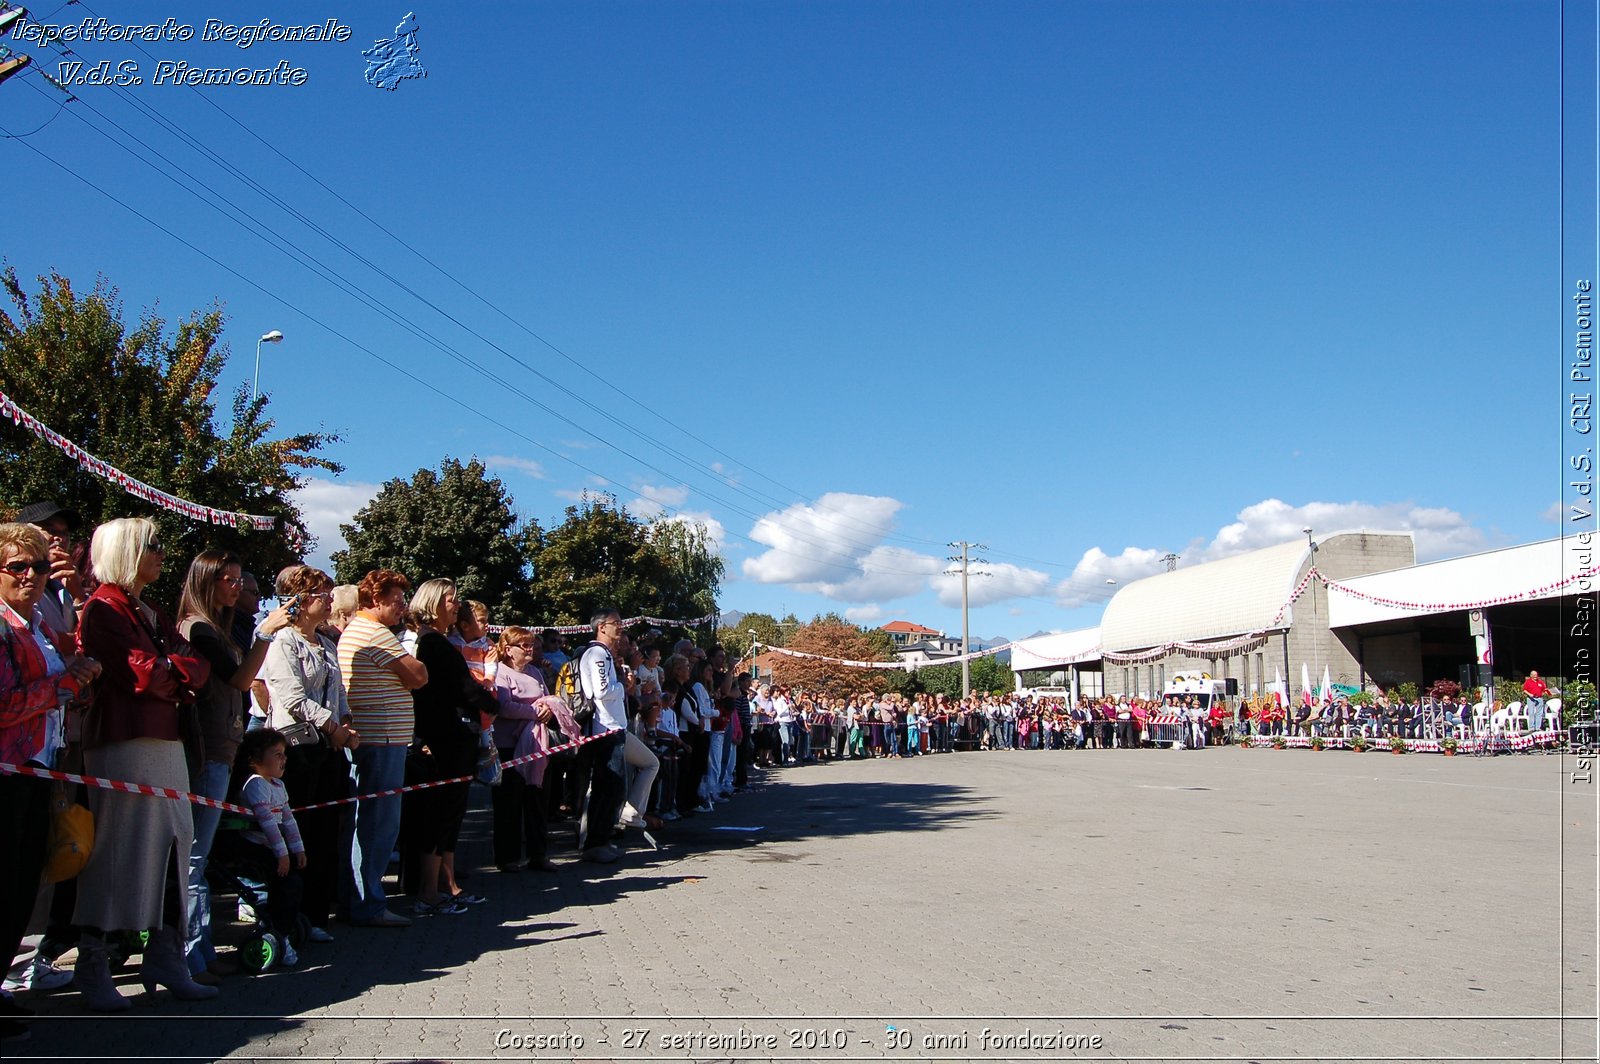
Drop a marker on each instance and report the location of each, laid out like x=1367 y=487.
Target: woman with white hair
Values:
x=134 y=880
x=447 y=709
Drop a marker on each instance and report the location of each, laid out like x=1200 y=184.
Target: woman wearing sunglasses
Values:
x=136 y=876
x=39 y=674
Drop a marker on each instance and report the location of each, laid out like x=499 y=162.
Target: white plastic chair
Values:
x=1517 y=718
x=1552 y=714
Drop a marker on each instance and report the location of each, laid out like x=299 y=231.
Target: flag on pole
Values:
x=1305 y=683
x=1325 y=696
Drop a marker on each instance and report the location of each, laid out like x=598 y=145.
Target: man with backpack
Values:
x=602 y=700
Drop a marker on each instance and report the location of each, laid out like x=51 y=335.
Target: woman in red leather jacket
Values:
x=135 y=877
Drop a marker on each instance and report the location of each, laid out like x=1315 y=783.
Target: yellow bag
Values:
x=71 y=836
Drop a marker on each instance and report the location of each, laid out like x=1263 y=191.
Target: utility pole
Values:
x=965 y=560
x=11 y=62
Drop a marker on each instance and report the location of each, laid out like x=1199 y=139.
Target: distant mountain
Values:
x=731 y=619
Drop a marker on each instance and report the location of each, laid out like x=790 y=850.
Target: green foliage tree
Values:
x=692 y=567
x=989 y=676
x=1577 y=702
x=602 y=555
x=457 y=523
x=144 y=401
x=765 y=628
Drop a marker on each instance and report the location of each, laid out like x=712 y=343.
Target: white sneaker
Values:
x=673 y=815
x=290 y=957
x=318 y=934
x=37 y=974
x=247 y=913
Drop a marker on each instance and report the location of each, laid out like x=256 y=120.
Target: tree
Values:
x=143 y=400
x=601 y=555
x=694 y=569
x=458 y=523
x=989 y=676
x=765 y=628
x=833 y=637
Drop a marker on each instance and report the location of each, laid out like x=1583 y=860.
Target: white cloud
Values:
x=653 y=501
x=1554 y=513
x=1087 y=584
x=526 y=466
x=1439 y=533
x=882 y=573
x=988 y=583
x=327 y=504
x=571 y=494
x=864 y=615
x=814 y=543
x=715 y=532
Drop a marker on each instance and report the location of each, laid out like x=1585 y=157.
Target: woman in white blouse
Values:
x=307 y=704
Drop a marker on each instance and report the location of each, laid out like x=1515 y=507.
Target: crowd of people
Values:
x=312 y=716
x=319 y=715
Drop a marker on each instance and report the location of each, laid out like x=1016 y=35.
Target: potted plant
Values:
x=1244 y=742
x=1448 y=745
x=1316 y=742
x=1397 y=745
x=1279 y=742
x=1358 y=742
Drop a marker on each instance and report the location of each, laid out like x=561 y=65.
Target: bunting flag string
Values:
x=628 y=622
x=132 y=485
x=1451 y=607
x=904 y=666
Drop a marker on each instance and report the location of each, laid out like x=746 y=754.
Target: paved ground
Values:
x=1122 y=905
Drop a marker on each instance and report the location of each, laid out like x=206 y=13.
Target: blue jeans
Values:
x=376 y=828
x=711 y=783
x=212 y=783
x=1535 y=713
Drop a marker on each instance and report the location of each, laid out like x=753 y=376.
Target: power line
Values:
x=651 y=411
x=388 y=362
x=287 y=248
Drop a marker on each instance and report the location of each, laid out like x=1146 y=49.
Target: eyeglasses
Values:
x=154 y=547
x=17 y=568
x=233 y=581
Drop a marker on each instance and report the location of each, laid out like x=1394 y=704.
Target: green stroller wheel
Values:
x=259 y=954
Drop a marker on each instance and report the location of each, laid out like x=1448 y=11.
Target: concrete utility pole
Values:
x=964 y=559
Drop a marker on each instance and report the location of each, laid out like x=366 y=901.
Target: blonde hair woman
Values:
x=134 y=879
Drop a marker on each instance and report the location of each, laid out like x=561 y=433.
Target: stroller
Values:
x=228 y=871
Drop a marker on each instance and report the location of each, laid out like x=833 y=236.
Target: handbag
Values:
x=71 y=839
x=301 y=733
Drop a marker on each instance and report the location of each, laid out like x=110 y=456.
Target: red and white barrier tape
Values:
x=213 y=803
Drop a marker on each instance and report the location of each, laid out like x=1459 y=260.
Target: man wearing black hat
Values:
x=64 y=593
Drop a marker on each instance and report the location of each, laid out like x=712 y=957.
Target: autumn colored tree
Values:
x=143 y=399
x=457 y=523
x=833 y=637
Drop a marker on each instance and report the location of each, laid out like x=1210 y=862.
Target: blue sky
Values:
x=1083 y=281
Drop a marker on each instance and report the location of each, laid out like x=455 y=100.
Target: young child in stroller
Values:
x=268 y=849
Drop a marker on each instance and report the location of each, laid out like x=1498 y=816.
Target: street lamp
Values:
x=273 y=337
